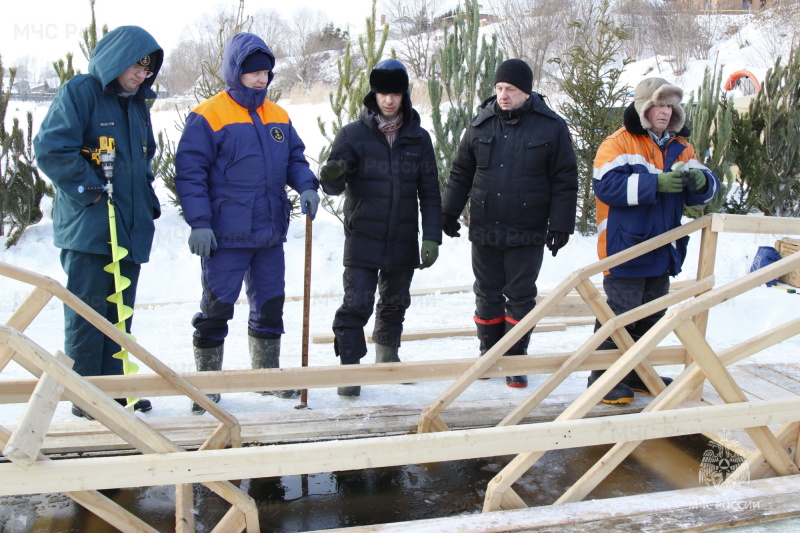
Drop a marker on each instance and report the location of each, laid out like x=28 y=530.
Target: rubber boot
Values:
x=633 y=381
x=621 y=393
x=386 y=354
x=518 y=348
x=490 y=331
x=354 y=390
x=266 y=353
x=208 y=359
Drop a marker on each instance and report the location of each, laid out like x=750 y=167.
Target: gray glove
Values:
x=332 y=170
x=202 y=242
x=310 y=197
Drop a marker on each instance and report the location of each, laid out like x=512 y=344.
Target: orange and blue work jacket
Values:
x=237 y=153
x=629 y=208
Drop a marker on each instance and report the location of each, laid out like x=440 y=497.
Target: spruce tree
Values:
x=464 y=76
x=591 y=75
x=710 y=120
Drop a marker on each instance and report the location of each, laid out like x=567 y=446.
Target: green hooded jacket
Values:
x=87 y=107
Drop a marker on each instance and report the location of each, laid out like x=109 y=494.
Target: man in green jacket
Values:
x=109 y=101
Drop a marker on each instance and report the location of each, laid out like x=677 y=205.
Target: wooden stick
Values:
x=23 y=316
x=306 y=307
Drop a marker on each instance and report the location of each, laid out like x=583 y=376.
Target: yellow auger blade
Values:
x=121 y=283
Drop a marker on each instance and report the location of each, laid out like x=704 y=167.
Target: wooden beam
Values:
x=26 y=442
x=23 y=316
x=184 y=504
x=415 y=335
x=339 y=455
x=247 y=380
x=724 y=223
x=727 y=388
x=95 y=502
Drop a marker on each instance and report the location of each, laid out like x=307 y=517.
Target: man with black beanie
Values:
x=517 y=166
x=385 y=162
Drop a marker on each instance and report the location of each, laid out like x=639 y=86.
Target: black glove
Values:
x=450 y=225
x=556 y=240
x=332 y=170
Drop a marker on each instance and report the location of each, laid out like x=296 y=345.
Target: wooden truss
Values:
x=220 y=459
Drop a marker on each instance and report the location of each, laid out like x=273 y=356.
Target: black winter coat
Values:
x=518 y=170
x=383 y=185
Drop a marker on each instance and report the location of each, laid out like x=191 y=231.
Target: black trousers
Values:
x=505 y=280
x=624 y=294
x=359 y=299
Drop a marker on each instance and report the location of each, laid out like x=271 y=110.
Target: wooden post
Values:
x=25 y=443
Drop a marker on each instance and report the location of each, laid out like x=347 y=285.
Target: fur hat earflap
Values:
x=658 y=91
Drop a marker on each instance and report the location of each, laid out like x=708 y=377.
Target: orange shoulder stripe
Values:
x=221 y=110
x=271 y=112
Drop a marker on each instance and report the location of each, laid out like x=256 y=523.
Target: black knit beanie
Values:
x=256 y=62
x=517 y=73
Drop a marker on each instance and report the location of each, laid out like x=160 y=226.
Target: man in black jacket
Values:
x=517 y=167
x=385 y=162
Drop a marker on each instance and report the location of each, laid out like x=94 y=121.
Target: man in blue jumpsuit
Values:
x=237 y=154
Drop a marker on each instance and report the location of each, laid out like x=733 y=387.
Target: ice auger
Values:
x=104 y=156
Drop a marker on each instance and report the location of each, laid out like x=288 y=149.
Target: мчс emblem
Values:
x=277 y=134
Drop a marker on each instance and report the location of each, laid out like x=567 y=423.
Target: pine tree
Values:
x=591 y=79
x=353 y=84
x=465 y=74
x=769 y=168
x=21 y=186
x=711 y=123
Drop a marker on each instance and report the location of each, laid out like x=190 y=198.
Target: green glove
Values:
x=670 y=181
x=428 y=253
x=332 y=170
x=697 y=178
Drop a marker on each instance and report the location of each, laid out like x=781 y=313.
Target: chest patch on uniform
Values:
x=107 y=124
x=277 y=134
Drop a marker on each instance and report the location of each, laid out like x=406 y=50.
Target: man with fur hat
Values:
x=109 y=101
x=237 y=154
x=645 y=173
x=517 y=167
x=385 y=163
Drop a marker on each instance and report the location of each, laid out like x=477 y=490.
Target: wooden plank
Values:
x=746 y=224
x=787 y=371
x=769 y=501
x=22 y=317
x=316 y=424
x=415 y=335
x=758 y=387
x=728 y=389
x=96 y=503
x=25 y=443
x=293 y=459
x=248 y=380
x=184 y=503
x=771 y=375
x=787 y=435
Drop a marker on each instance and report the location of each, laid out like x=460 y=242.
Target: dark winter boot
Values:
x=621 y=393
x=518 y=348
x=490 y=330
x=266 y=353
x=143 y=405
x=208 y=359
x=633 y=381
x=354 y=390
x=386 y=354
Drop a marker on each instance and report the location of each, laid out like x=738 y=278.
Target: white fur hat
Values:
x=658 y=91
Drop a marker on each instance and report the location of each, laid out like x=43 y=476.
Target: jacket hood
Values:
x=118 y=50
x=237 y=49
